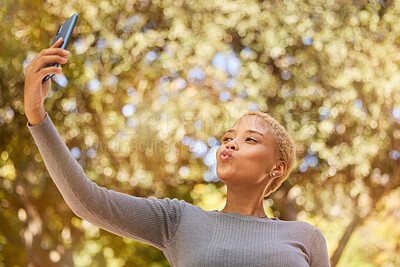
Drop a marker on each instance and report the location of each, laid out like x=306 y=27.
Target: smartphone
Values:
x=64 y=31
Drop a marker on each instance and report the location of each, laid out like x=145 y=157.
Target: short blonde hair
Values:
x=285 y=149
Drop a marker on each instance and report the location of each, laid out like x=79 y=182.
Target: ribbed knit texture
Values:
x=188 y=235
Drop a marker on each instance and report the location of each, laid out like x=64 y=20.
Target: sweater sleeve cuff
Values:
x=46 y=121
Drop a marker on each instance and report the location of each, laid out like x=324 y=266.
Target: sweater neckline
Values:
x=249 y=217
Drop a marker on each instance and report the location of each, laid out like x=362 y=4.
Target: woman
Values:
x=256 y=156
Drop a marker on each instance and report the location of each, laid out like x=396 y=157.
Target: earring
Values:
x=273 y=174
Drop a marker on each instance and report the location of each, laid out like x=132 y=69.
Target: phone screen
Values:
x=64 y=31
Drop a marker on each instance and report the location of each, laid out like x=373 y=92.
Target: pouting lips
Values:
x=226 y=152
x=225 y=155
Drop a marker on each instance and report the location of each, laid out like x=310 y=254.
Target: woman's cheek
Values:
x=220 y=148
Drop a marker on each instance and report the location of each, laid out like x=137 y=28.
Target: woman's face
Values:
x=252 y=149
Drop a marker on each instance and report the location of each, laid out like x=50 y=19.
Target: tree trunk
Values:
x=345 y=238
x=289 y=211
x=357 y=220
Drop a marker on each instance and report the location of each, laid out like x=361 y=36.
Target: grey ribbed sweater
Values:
x=187 y=234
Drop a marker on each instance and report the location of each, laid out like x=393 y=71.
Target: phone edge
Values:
x=65 y=43
x=70 y=30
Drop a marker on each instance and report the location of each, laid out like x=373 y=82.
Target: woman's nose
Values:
x=231 y=146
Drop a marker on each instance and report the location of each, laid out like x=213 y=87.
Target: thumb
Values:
x=45 y=89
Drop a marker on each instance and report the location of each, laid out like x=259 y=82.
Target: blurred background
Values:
x=151 y=86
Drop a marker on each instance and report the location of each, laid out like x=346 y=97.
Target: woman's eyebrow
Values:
x=248 y=131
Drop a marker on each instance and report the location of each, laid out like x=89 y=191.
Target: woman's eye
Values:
x=227 y=139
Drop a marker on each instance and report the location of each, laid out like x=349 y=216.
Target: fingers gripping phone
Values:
x=64 y=31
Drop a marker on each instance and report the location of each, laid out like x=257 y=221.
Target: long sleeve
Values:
x=319 y=251
x=152 y=221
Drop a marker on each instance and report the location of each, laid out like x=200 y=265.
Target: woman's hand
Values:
x=34 y=91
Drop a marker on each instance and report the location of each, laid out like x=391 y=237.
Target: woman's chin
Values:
x=223 y=174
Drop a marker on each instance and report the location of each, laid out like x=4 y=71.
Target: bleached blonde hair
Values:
x=285 y=149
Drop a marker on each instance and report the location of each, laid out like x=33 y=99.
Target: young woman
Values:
x=256 y=156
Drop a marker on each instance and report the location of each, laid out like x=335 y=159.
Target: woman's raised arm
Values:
x=152 y=221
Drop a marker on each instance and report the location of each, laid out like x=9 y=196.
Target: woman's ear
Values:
x=279 y=169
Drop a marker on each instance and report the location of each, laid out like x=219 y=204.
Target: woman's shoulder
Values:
x=307 y=226
x=303 y=230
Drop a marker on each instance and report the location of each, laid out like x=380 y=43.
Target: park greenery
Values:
x=151 y=86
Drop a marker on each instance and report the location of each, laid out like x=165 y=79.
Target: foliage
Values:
x=149 y=89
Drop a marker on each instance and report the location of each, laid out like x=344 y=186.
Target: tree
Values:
x=150 y=88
